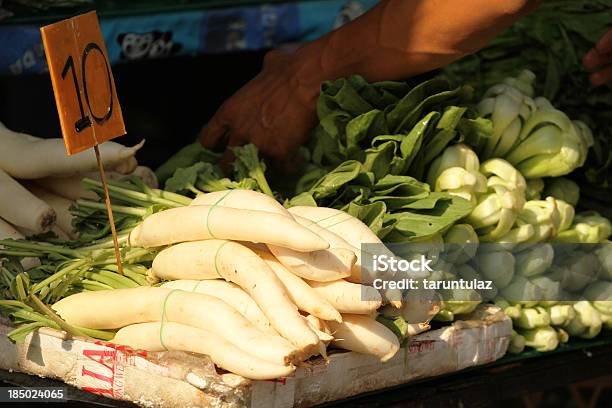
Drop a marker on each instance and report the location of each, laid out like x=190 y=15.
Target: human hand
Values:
x=599 y=60
x=274 y=111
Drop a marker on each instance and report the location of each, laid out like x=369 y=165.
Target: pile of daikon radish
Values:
x=39 y=183
x=255 y=286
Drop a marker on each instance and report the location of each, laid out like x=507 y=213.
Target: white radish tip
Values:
x=133 y=236
x=132 y=150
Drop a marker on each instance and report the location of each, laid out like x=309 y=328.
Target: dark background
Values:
x=165 y=101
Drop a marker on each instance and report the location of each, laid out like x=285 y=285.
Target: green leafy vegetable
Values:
x=187 y=156
x=248 y=165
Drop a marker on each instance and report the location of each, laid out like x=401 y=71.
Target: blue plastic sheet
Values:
x=219 y=30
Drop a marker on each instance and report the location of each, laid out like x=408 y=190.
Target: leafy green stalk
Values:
x=248 y=165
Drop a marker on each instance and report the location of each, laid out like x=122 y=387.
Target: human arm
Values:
x=394 y=40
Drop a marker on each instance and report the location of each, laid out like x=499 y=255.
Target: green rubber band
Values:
x=196 y=286
x=163 y=319
x=335 y=223
x=210 y=210
x=217 y=256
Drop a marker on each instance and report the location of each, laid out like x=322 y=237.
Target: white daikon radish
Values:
x=27 y=157
x=60 y=205
x=323 y=337
x=234 y=262
x=70 y=188
x=347 y=297
x=146 y=175
x=112 y=309
x=21 y=208
x=7 y=231
x=231 y=294
x=364 y=335
x=323 y=266
x=320 y=326
x=361 y=272
x=176 y=336
x=304 y=297
x=340 y=223
x=194 y=223
x=244 y=199
x=335 y=241
x=126 y=166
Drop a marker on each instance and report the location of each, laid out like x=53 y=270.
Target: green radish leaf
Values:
x=247 y=165
x=185 y=157
x=184 y=179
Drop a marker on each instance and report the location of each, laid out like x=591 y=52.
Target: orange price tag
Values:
x=83 y=83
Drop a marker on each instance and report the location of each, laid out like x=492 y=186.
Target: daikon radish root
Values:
x=347 y=297
x=112 y=309
x=231 y=294
x=7 y=231
x=176 y=336
x=361 y=272
x=237 y=263
x=335 y=241
x=147 y=175
x=323 y=266
x=28 y=157
x=243 y=199
x=340 y=223
x=365 y=335
x=60 y=205
x=198 y=222
x=126 y=166
x=21 y=208
x=300 y=293
x=323 y=337
x=72 y=188
x=186 y=261
x=320 y=326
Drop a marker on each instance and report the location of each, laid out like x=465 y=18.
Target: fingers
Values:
x=604 y=46
x=227 y=159
x=601 y=77
x=599 y=55
x=594 y=59
x=214 y=131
